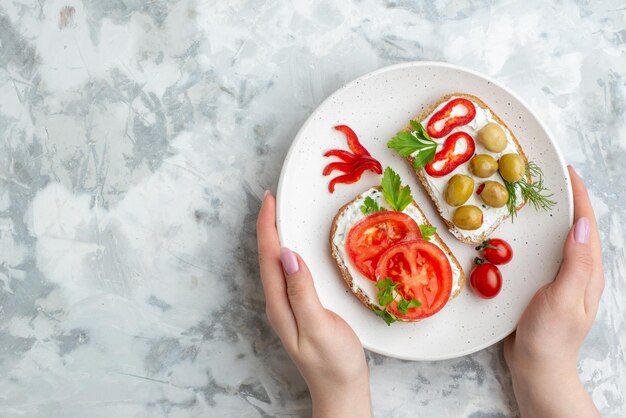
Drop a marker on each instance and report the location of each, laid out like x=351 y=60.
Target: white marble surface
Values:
x=137 y=138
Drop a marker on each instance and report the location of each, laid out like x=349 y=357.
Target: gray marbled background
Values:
x=138 y=136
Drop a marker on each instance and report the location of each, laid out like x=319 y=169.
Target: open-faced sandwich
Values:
x=471 y=164
x=391 y=257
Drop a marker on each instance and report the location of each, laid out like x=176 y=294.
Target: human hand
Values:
x=326 y=351
x=542 y=354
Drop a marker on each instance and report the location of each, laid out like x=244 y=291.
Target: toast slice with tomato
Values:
x=369 y=236
x=429 y=172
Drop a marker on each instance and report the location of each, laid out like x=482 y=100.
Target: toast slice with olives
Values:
x=469 y=162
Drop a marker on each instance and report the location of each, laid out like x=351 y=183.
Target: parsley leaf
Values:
x=398 y=196
x=387 y=316
x=407 y=143
x=404 y=305
x=370 y=206
x=427 y=231
x=385 y=294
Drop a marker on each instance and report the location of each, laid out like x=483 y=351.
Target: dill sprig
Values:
x=534 y=192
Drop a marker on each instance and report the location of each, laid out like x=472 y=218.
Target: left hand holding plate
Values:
x=325 y=349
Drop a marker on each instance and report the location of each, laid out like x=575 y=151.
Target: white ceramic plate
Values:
x=376 y=106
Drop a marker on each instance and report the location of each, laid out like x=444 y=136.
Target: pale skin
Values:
x=545 y=380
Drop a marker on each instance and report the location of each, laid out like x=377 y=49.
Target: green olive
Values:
x=468 y=217
x=460 y=188
x=492 y=137
x=483 y=165
x=493 y=194
x=512 y=167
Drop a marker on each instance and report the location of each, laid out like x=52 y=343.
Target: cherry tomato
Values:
x=457 y=112
x=457 y=149
x=372 y=235
x=496 y=251
x=486 y=280
x=422 y=272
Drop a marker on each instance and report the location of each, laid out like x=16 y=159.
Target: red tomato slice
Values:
x=422 y=272
x=458 y=148
x=371 y=236
x=442 y=122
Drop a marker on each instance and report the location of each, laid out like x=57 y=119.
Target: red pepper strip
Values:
x=434 y=128
x=353 y=140
x=369 y=162
x=346 y=156
x=449 y=158
x=376 y=167
x=339 y=166
x=349 y=178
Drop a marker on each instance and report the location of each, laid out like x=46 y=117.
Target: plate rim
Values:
x=411 y=64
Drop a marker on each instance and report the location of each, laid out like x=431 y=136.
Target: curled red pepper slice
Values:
x=339 y=166
x=346 y=156
x=370 y=164
x=346 y=167
x=457 y=112
x=353 y=140
x=349 y=178
x=458 y=148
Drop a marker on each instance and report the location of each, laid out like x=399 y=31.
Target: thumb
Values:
x=303 y=299
x=578 y=263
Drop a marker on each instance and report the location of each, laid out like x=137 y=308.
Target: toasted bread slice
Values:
x=363 y=288
x=466 y=236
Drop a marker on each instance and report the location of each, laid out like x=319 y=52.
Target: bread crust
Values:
x=458 y=233
x=345 y=273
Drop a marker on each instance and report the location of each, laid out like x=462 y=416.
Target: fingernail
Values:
x=571 y=167
x=267 y=193
x=289 y=260
x=581 y=230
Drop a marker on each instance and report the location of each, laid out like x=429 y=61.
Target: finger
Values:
x=582 y=263
x=509 y=344
x=583 y=208
x=577 y=266
x=277 y=304
x=303 y=299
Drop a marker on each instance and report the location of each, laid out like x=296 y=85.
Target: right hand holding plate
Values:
x=542 y=354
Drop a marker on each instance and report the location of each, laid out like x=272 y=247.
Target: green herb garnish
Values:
x=387 y=316
x=370 y=206
x=534 y=192
x=398 y=196
x=407 y=143
x=404 y=305
x=427 y=231
x=386 y=295
x=485 y=244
